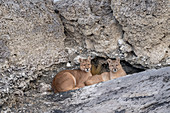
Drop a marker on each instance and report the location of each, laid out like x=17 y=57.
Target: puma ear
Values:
x=118 y=59
x=109 y=61
x=80 y=60
x=89 y=58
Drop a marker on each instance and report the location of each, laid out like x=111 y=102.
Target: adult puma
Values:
x=72 y=79
x=116 y=71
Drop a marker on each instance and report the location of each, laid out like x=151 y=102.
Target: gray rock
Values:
x=89 y=24
x=31 y=40
x=44 y=87
x=146 y=29
x=36 y=33
x=98 y=26
x=141 y=92
x=38 y=37
x=144 y=92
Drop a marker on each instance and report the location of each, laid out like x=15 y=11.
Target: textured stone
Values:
x=98 y=26
x=38 y=38
x=146 y=29
x=31 y=40
x=36 y=34
x=89 y=24
x=144 y=92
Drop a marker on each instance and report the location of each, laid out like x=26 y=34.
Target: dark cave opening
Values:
x=129 y=69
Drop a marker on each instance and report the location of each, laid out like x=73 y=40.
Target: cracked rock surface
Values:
x=137 y=31
x=90 y=24
x=146 y=26
x=144 y=92
x=38 y=38
x=31 y=40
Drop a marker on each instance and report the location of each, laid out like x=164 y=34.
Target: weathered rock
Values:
x=89 y=24
x=147 y=91
x=144 y=92
x=33 y=32
x=146 y=27
x=31 y=40
x=36 y=42
x=135 y=30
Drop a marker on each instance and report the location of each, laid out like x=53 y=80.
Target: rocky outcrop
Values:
x=144 y=92
x=37 y=38
x=31 y=40
x=147 y=91
x=90 y=26
x=137 y=31
x=32 y=31
x=146 y=27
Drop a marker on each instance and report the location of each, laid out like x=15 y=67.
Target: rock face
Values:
x=32 y=32
x=38 y=37
x=90 y=25
x=31 y=39
x=147 y=91
x=144 y=92
x=146 y=27
x=135 y=30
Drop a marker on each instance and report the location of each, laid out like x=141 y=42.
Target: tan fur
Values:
x=96 y=70
x=72 y=79
x=116 y=71
x=98 y=67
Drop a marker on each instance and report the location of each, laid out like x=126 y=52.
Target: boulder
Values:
x=89 y=24
x=38 y=38
x=137 y=31
x=146 y=27
x=31 y=40
x=144 y=92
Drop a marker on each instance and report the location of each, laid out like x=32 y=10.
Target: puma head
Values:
x=85 y=64
x=114 y=65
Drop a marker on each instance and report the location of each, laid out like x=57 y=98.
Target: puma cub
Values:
x=72 y=79
x=116 y=71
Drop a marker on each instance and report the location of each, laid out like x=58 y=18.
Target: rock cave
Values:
x=38 y=38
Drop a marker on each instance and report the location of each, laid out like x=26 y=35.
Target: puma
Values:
x=72 y=79
x=116 y=71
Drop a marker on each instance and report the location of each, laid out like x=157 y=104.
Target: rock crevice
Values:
x=38 y=38
x=147 y=91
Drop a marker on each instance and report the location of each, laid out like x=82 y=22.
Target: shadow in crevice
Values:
x=129 y=68
x=105 y=67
